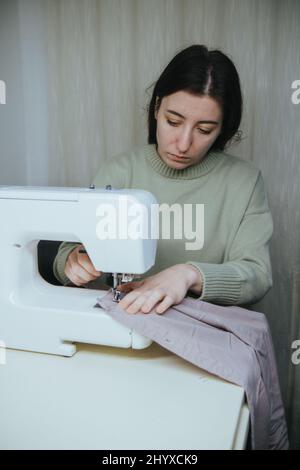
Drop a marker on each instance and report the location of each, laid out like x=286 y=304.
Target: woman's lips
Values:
x=178 y=158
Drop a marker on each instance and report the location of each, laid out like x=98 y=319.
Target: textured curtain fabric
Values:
x=102 y=55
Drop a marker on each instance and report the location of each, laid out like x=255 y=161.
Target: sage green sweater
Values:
x=234 y=261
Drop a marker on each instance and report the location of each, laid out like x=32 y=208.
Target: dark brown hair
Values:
x=202 y=72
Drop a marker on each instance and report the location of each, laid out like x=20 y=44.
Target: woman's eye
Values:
x=172 y=123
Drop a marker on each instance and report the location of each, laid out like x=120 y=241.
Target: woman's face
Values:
x=187 y=126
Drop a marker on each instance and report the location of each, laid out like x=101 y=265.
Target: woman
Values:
x=194 y=113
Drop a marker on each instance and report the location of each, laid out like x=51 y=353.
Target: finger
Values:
x=164 y=305
x=74 y=267
x=87 y=265
x=85 y=262
x=129 y=298
x=152 y=300
x=78 y=273
x=75 y=279
x=129 y=286
x=136 y=305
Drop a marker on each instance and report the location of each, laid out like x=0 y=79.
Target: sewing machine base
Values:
x=37 y=325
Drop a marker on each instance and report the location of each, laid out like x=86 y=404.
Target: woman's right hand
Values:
x=79 y=267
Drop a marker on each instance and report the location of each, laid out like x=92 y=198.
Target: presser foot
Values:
x=118 y=295
x=117 y=280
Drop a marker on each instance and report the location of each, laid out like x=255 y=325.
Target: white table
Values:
x=113 y=398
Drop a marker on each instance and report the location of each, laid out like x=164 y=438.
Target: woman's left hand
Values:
x=164 y=289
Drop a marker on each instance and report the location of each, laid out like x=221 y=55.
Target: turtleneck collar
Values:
x=200 y=169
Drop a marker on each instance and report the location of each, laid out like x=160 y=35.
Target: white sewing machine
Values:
x=37 y=316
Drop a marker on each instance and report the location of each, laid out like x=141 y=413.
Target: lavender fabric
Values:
x=230 y=342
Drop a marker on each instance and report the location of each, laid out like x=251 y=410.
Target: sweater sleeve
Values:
x=245 y=276
x=115 y=172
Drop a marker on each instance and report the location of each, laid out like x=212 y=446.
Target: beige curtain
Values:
x=101 y=57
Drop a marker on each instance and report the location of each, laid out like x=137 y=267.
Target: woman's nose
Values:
x=184 y=140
